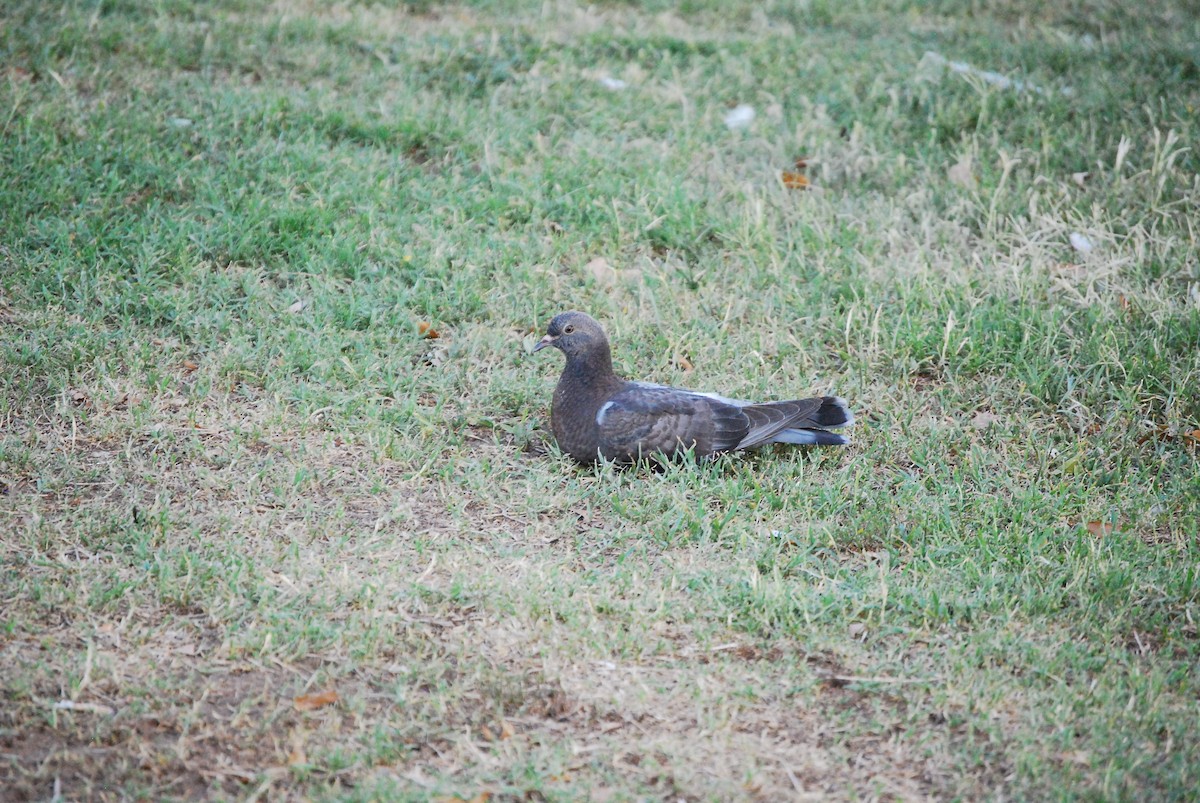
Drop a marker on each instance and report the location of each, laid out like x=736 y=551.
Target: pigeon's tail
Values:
x=803 y=422
x=832 y=414
x=811 y=437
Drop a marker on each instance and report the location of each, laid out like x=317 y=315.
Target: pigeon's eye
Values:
x=568 y=329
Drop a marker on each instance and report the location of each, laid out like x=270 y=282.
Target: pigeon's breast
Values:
x=573 y=418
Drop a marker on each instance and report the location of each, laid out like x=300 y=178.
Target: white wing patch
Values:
x=602 y=412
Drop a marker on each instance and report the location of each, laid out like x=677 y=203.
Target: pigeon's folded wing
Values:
x=769 y=419
x=645 y=419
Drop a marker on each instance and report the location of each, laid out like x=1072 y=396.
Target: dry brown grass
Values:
x=182 y=690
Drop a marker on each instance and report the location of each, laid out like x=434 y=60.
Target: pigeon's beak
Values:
x=548 y=340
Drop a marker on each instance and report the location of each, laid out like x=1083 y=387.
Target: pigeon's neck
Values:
x=591 y=370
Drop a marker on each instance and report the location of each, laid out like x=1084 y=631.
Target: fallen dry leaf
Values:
x=90 y=708
x=482 y=797
x=794 y=181
x=19 y=74
x=601 y=271
x=1165 y=433
x=311 y=702
x=189 y=366
x=506 y=730
x=684 y=363
x=1100 y=528
x=984 y=419
x=137 y=197
x=487 y=734
x=427 y=331
x=1079 y=757
x=960 y=173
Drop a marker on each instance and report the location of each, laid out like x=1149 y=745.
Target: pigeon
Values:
x=596 y=414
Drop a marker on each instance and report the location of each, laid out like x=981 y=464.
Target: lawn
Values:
x=280 y=513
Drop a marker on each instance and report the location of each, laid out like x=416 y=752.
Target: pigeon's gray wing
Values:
x=645 y=419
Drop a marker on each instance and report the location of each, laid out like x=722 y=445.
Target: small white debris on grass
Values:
x=91 y=708
x=739 y=117
x=297 y=306
x=1081 y=243
x=614 y=84
x=179 y=122
x=987 y=76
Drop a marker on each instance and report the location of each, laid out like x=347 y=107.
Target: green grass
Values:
x=233 y=471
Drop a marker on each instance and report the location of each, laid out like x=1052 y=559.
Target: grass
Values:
x=233 y=471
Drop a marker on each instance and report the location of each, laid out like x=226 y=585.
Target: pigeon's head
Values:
x=574 y=334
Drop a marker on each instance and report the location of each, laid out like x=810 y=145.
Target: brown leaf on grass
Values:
x=189 y=366
x=311 y=702
x=601 y=271
x=90 y=708
x=960 y=173
x=984 y=419
x=487 y=734
x=138 y=197
x=506 y=730
x=1080 y=758
x=796 y=179
x=684 y=363
x=1164 y=433
x=1100 y=528
x=424 y=329
x=482 y=797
